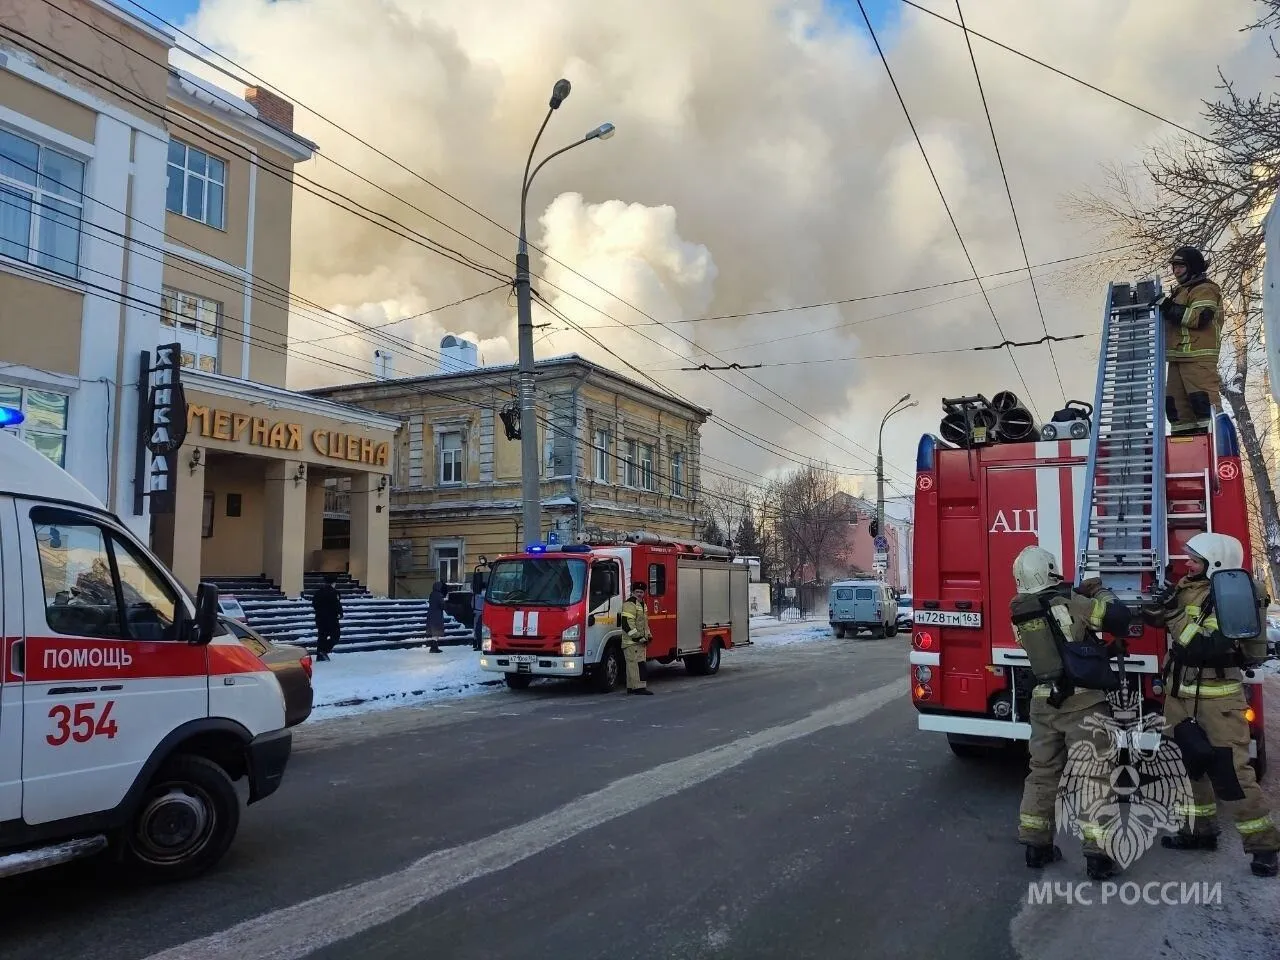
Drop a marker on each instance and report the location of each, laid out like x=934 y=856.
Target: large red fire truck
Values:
x=553 y=610
x=979 y=504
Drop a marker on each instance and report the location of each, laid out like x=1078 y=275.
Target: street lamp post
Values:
x=896 y=408
x=530 y=460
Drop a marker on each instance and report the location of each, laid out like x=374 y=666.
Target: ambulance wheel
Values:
x=611 y=669
x=186 y=820
x=518 y=681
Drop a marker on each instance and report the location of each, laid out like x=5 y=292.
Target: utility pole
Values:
x=898 y=407
x=530 y=456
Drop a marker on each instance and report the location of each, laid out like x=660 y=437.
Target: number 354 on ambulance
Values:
x=126 y=711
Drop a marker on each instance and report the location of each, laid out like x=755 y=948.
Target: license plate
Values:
x=523 y=658
x=948 y=618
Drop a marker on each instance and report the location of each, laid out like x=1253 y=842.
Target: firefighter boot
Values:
x=1038 y=857
x=1100 y=867
x=1190 y=841
x=1265 y=864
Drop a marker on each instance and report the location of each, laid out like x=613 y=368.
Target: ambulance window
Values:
x=150 y=603
x=657 y=579
x=79 y=589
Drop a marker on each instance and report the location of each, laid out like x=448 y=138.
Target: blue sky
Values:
x=882 y=12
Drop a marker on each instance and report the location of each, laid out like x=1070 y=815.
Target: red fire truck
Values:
x=976 y=509
x=553 y=610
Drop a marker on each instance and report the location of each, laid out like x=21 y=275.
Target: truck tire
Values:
x=891 y=630
x=611 y=669
x=186 y=821
x=518 y=681
x=705 y=664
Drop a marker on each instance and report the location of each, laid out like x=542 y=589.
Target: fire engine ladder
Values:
x=1123 y=528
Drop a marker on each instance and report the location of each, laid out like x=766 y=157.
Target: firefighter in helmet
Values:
x=635 y=639
x=1048 y=615
x=1192 y=316
x=1204 y=707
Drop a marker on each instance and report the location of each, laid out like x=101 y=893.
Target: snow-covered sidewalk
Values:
x=354 y=683
x=380 y=679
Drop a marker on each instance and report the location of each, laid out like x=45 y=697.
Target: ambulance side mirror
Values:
x=201 y=630
x=1235 y=604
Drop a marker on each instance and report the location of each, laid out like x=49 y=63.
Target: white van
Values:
x=126 y=712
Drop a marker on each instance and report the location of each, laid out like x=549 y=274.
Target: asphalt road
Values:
x=784 y=808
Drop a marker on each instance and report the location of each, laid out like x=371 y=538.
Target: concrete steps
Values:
x=368 y=623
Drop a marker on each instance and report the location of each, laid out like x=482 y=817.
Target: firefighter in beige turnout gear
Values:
x=1192 y=317
x=1058 y=709
x=635 y=639
x=1204 y=681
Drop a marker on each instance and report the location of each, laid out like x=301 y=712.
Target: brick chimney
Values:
x=275 y=110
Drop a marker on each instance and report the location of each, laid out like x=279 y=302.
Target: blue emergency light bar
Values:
x=9 y=417
x=535 y=548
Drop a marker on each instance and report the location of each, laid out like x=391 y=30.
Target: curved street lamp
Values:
x=898 y=407
x=530 y=461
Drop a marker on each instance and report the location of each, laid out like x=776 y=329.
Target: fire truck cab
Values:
x=126 y=711
x=554 y=610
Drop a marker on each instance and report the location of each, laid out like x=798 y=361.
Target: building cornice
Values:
x=249 y=392
x=225 y=107
x=158 y=34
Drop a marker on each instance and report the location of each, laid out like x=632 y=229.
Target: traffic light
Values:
x=873 y=527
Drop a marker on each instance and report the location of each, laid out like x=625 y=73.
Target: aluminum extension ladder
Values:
x=1123 y=527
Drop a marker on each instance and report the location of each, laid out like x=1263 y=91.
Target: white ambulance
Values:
x=126 y=712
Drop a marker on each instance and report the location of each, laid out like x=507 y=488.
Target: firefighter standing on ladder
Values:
x=635 y=639
x=1059 y=707
x=1215 y=704
x=1193 y=337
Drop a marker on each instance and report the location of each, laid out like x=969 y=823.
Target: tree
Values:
x=711 y=533
x=809 y=516
x=1212 y=194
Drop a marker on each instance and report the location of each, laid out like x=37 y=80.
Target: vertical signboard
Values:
x=162 y=428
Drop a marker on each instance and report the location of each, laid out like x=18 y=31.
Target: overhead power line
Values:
x=955 y=226
x=1012 y=207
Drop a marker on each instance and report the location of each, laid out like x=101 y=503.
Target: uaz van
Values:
x=854 y=605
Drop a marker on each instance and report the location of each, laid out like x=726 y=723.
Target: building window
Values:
x=447 y=563
x=677 y=474
x=451 y=457
x=639 y=465
x=41 y=203
x=603 y=459
x=197 y=184
x=45 y=422
x=206 y=520
x=196 y=321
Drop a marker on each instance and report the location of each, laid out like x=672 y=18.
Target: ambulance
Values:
x=126 y=712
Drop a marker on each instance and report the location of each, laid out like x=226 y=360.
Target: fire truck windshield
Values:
x=547 y=582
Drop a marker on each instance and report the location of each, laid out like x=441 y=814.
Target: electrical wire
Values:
x=955 y=226
x=1012 y=207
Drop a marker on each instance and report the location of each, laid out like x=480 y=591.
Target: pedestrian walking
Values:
x=477 y=606
x=435 y=616
x=327 y=604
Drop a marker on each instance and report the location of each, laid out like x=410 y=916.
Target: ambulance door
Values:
x=106 y=675
x=11 y=634
x=661 y=574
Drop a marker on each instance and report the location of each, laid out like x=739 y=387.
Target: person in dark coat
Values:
x=435 y=616
x=328 y=607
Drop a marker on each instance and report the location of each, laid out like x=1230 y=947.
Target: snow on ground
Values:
x=380 y=679
x=354 y=683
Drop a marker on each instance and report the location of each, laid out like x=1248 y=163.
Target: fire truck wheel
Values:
x=704 y=664
x=186 y=821
x=518 y=681
x=611 y=669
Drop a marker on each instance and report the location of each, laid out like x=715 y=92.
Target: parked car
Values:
x=854 y=605
x=906 y=615
x=230 y=608
x=1273 y=635
x=290 y=664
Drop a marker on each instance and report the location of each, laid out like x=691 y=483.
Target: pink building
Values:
x=854 y=556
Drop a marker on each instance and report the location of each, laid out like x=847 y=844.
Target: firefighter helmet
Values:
x=1217 y=550
x=1035 y=569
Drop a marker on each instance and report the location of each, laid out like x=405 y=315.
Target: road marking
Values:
x=303 y=928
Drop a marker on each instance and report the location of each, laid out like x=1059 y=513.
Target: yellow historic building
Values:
x=617 y=456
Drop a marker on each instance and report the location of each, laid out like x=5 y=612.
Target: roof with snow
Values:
x=565 y=362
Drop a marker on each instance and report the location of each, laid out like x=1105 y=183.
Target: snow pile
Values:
x=377 y=680
x=785 y=634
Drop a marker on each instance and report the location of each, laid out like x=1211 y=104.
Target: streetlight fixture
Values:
x=530 y=460
x=896 y=408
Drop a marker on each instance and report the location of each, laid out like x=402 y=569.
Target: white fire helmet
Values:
x=1218 y=551
x=1035 y=569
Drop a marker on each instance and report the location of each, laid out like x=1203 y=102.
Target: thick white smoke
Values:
x=761 y=160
